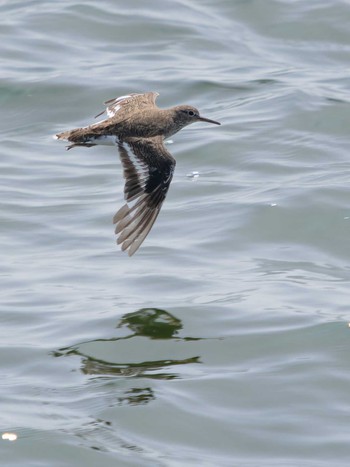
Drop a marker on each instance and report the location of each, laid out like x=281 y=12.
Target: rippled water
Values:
x=224 y=340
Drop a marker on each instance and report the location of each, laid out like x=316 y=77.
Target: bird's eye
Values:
x=191 y=113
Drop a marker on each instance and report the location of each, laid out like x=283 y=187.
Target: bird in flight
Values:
x=138 y=128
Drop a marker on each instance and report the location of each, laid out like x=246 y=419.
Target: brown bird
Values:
x=138 y=128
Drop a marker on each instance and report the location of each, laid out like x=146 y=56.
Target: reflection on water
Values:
x=151 y=322
x=137 y=396
x=91 y=366
x=153 y=333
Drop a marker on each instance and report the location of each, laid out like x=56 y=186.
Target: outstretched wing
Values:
x=148 y=170
x=131 y=102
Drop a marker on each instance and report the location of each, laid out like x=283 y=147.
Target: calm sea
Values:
x=224 y=341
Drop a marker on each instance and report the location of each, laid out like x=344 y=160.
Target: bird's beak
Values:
x=203 y=119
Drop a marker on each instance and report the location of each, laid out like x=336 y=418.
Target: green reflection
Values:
x=151 y=322
x=153 y=334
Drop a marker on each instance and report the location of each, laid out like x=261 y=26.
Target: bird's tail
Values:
x=77 y=137
x=64 y=136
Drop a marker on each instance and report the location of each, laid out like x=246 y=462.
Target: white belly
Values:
x=106 y=140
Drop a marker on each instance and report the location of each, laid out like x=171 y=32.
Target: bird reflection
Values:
x=137 y=396
x=151 y=332
x=152 y=322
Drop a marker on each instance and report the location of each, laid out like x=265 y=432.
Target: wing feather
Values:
x=129 y=101
x=148 y=170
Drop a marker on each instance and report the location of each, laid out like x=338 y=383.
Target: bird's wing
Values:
x=148 y=170
x=130 y=102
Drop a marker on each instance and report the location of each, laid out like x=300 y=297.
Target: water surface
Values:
x=224 y=340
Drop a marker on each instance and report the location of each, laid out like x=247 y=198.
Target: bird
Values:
x=138 y=127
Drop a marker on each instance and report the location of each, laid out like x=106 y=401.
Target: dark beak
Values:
x=203 y=119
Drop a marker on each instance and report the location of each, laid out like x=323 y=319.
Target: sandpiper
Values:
x=138 y=128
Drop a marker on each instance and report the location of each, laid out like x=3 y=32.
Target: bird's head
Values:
x=186 y=114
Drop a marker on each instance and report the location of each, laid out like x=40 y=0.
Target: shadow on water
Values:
x=150 y=349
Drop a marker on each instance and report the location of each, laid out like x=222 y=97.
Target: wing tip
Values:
x=119 y=215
